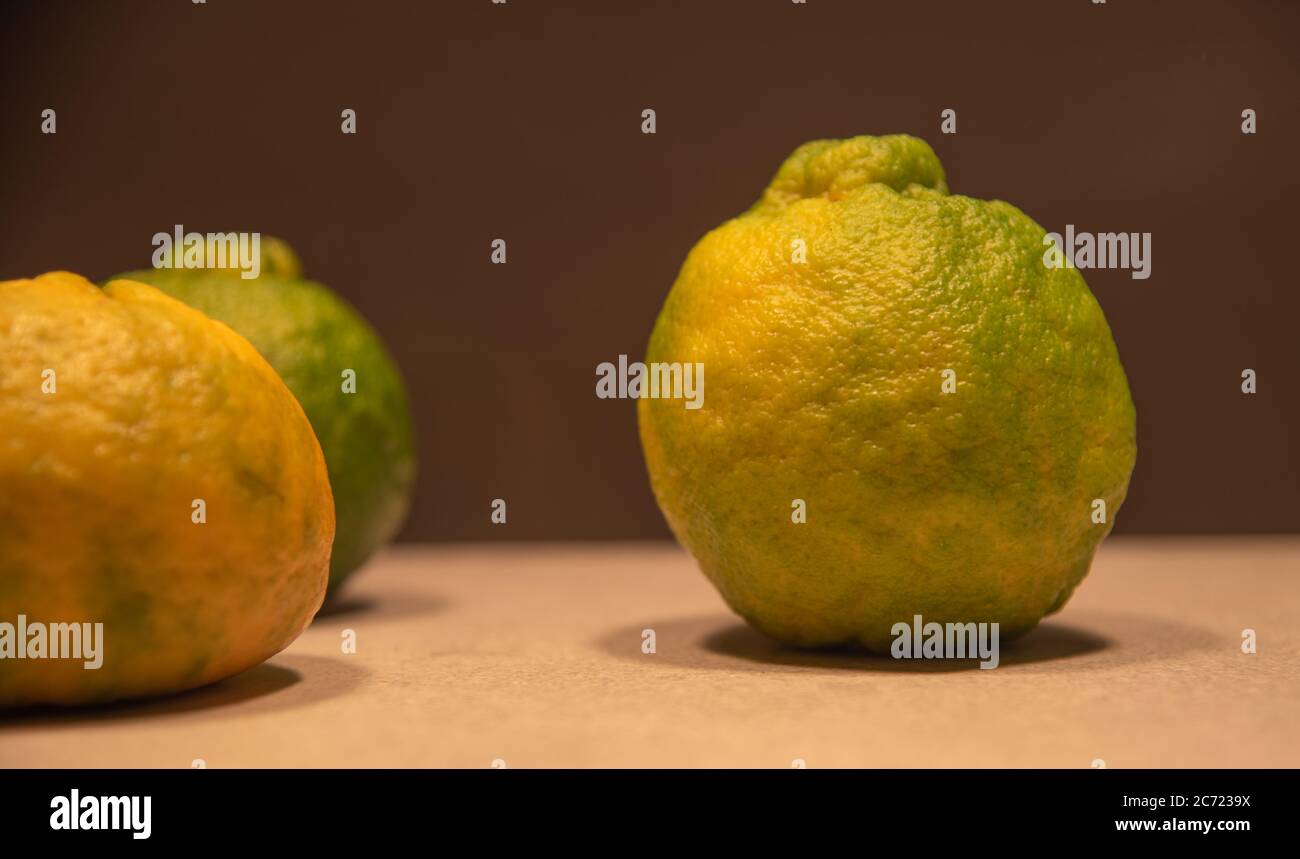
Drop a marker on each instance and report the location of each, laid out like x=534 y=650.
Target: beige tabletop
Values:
x=529 y=655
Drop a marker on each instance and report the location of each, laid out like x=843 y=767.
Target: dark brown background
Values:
x=522 y=121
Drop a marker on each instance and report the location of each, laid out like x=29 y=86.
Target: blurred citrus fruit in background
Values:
x=900 y=361
x=122 y=410
x=337 y=366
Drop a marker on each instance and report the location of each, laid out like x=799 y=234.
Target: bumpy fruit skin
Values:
x=824 y=383
x=153 y=406
x=311 y=335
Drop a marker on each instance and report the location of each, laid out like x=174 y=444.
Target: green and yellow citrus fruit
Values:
x=122 y=409
x=337 y=366
x=900 y=361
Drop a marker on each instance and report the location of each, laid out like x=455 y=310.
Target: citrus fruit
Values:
x=156 y=477
x=906 y=412
x=337 y=366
